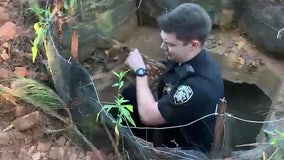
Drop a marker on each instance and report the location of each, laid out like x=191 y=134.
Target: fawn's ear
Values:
x=125 y=49
x=114 y=42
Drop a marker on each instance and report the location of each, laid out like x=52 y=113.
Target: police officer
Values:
x=191 y=87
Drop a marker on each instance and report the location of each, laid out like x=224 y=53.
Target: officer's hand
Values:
x=135 y=60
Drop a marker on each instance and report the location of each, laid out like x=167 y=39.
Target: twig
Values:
x=264 y=155
x=128 y=157
x=57 y=130
x=8 y=128
x=140 y=2
x=273 y=154
x=251 y=144
x=54 y=114
x=112 y=141
x=173 y=141
x=69 y=114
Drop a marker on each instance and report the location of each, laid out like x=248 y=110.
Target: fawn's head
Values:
x=116 y=55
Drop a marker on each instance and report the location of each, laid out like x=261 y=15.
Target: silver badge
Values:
x=183 y=94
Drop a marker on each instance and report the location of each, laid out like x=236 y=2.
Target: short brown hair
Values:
x=188 y=21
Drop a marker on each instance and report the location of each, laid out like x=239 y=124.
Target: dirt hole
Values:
x=245 y=101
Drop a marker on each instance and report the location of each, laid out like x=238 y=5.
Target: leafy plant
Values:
x=39 y=27
x=71 y=4
x=43 y=14
x=34 y=93
x=124 y=110
x=276 y=140
x=44 y=99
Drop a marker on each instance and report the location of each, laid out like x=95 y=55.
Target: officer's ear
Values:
x=195 y=43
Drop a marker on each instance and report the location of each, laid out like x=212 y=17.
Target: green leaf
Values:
x=36 y=27
x=72 y=2
x=125 y=112
x=39 y=32
x=118 y=102
x=269 y=132
x=122 y=100
x=36 y=41
x=109 y=107
x=115 y=73
x=129 y=107
x=121 y=84
x=34 y=53
x=65 y=5
x=47 y=13
x=282 y=134
x=131 y=121
x=273 y=142
x=115 y=84
x=123 y=73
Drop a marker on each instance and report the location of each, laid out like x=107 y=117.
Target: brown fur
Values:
x=117 y=55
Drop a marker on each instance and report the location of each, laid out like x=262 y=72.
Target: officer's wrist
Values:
x=142 y=80
x=141 y=72
x=142 y=66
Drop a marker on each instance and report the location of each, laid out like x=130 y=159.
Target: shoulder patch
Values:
x=183 y=94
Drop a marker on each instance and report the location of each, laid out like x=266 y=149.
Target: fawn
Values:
x=116 y=56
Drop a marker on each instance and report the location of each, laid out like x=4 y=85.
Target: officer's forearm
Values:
x=144 y=94
x=147 y=106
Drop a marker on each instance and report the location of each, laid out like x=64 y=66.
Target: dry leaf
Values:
x=4 y=73
x=8 y=31
x=21 y=71
x=5 y=4
x=27 y=121
x=4 y=15
x=6 y=45
x=4 y=55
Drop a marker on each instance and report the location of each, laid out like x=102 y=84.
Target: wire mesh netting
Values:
x=264 y=10
x=95 y=19
x=75 y=87
x=262 y=21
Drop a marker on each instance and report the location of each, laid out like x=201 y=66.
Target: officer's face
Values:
x=175 y=49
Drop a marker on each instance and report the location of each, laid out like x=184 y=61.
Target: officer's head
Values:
x=184 y=31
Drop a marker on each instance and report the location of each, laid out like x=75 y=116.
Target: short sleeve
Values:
x=184 y=103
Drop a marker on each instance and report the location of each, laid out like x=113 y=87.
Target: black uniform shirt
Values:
x=189 y=91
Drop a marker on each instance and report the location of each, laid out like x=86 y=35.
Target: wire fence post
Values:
x=219 y=130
